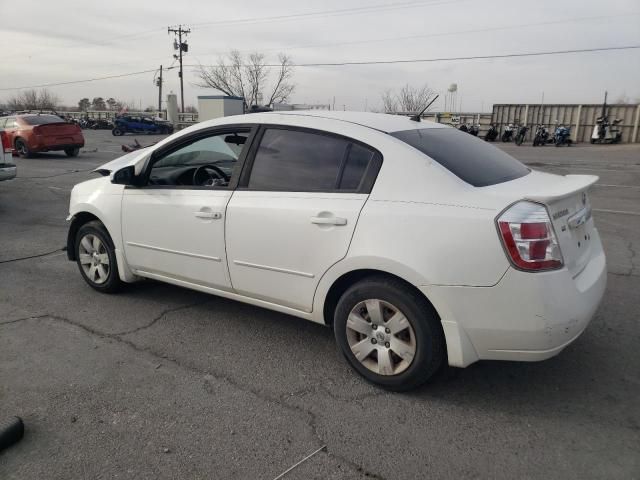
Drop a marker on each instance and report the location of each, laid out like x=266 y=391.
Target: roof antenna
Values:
x=417 y=116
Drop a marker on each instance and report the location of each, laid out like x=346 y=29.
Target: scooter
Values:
x=522 y=132
x=561 y=136
x=463 y=128
x=507 y=135
x=542 y=136
x=491 y=134
x=605 y=131
x=474 y=130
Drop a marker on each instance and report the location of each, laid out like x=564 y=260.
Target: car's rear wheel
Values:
x=117 y=132
x=72 y=152
x=96 y=259
x=22 y=148
x=388 y=333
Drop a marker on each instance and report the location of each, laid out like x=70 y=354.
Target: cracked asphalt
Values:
x=162 y=382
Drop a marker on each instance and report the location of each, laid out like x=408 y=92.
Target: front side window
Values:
x=295 y=161
x=207 y=162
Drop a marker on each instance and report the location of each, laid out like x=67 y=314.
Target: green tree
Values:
x=84 y=104
x=98 y=103
x=111 y=102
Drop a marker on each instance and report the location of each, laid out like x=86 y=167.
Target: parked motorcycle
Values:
x=561 y=136
x=542 y=136
x=474 y=130
x=507 y=135
x=522 y=133
x=463 y=128
x=605 y=131
x=491 y=134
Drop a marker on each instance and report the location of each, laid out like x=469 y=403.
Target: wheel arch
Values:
x=344 y=281
x=77 y=221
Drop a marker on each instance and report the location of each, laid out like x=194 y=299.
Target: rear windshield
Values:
x=471 y=159
x=42 y=119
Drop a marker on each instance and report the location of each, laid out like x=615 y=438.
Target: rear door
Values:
x=295 y=212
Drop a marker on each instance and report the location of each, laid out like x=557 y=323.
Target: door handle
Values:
x=329 y=220
x=208 y=215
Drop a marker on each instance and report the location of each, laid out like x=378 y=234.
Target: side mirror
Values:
x=125 y=176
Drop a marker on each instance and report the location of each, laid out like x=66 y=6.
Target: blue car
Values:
x=145 y=125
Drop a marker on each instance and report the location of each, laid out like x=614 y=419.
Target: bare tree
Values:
x=33 y=100
x=408 y=99
x=47 y=100
x=248 y=77
x=389 y=102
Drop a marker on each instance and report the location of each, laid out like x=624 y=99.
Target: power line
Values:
x=448 y=59
x=71 y=82
x=325 y=13
x=437 y=34
x=370 y=62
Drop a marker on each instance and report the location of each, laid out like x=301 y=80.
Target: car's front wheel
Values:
x=389 y=333
x=96 y=259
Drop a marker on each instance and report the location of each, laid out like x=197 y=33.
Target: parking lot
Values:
x=163 y=382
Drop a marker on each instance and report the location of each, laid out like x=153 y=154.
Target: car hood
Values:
x=131 y=158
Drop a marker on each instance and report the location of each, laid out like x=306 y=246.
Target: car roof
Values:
x=377 y=121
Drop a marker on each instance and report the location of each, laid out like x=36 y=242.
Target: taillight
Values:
x=6 y=142
x=529 y=238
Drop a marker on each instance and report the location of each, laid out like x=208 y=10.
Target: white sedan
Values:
x=418 y=244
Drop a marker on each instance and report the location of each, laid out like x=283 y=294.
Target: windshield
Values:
x=469 y=158
x=42 y=119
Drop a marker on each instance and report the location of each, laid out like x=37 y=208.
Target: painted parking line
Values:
x=620 y=212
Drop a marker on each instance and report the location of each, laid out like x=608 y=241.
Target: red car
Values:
x=33 y=133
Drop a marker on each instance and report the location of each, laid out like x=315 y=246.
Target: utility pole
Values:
x=181 y=47
x=159 y=84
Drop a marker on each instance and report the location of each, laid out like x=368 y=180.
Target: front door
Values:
x=173 y=225
x=295 y=212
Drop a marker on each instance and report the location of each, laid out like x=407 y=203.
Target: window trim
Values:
x=181 y=142
x=366 y=183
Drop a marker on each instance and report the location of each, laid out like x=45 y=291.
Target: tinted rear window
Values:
x=42 y=119
x=469 y=158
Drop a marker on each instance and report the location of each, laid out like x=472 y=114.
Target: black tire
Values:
x=519 y=140
x=97 y=229
x=22 y=148
x=117 y=132
x=430 y=347
x=592 y=141
x=72 y=152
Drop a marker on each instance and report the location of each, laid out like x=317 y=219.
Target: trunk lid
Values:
x=567 y=201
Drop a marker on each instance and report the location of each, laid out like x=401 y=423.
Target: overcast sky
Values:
x=63 y=40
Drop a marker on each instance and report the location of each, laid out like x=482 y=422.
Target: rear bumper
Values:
x=46 y=144
x=525 y=316
x=7 y=171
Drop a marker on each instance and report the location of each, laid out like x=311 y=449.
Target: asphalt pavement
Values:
x=162 y=382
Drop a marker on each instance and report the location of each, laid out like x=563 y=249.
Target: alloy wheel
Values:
x=381 y=337
x=94 y=258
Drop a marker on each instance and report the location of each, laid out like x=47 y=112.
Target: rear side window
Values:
x=41 y=119
x=469 y=158
x=300 y=161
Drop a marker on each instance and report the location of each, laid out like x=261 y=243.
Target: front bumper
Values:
x=7 y=171
x=525 y=316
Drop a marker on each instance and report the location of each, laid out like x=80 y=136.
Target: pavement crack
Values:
x=32 y=317
x=159 y=317
x=306 y=415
